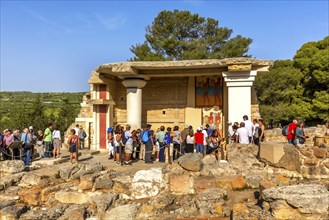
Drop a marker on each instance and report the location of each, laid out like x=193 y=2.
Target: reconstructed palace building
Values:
x=193 y=92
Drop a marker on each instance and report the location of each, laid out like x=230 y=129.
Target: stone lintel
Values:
x=239 y=67
x=101 y=102
x=239 y=84
x=239 y=78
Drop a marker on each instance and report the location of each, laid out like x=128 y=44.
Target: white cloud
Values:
x=111 y=23
x=52 y=26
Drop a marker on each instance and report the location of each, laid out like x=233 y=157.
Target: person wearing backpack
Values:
x=128 y=141
x=149 y=144
x=292 y=131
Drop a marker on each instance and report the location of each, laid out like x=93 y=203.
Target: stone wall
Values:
x=164 y=102
x=305 y=162
x=276 y=134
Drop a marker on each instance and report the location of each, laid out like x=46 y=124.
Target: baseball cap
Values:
x=30 y=128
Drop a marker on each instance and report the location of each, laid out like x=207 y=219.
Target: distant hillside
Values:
x=21 y=109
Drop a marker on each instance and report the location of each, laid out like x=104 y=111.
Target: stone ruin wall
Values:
x=164 y=102
x=276 y=134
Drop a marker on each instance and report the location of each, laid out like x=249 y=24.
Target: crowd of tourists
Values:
x=167 y=144
x=19 y=144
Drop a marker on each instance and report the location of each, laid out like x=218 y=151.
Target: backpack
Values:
x=145 y=137
x=123 y=138
x=285 y=130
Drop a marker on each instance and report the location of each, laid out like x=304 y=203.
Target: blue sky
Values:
x=52 y=46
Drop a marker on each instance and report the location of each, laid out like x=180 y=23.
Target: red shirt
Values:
x=198 y=137
x=291 y=127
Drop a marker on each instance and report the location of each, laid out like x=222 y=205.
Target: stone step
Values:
x=88 y=152
x=50 y=161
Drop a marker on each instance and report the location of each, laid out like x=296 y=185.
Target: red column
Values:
x=102 y=126
x=102 y=117
x=102 y=91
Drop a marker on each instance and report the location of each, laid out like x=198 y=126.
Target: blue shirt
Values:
x=26 y=138
x=167 y=138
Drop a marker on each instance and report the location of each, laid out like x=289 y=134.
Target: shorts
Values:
x=57 y=143
x=73 y=148
x=128 y=148
x=157 y=146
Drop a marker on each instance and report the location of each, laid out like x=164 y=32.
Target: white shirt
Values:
x=205 y=136
x=249 y=125
x=230 y=131
x=76 y=130
x=243 y=135
x=189 y=139
x=128 y=137
x=255 y=128
x=57 y=134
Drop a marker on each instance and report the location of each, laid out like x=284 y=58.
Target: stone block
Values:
x=204 y=182
x=282 y=180
x=281 y=210
x=147 y=183
x=11 y=166
x=319 y=152
x=232 y=182
x=264 y=184
x=280 y=155
x=181 y=184
x=311 y=162
x=71 y=197
x=33 y=180
x=308 y=198
x=271 y=151
x=191 y=162
x=31 y=196
x=126 y=212
x=87 y=182
x=12 y=212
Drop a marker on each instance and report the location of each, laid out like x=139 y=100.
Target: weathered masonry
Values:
x=169 y=93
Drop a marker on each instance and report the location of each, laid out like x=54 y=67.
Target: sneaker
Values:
x=157 y=160
x=223 y=161
x=117 y=163
x=127 y=163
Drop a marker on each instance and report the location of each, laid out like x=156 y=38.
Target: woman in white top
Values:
x=57 y=142
x=189 y=147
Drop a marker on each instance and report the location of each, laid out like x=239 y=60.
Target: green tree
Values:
x=297 y=88
x=180 y=35
x=313 y=61
x=280 y=94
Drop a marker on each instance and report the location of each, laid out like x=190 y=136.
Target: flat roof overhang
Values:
x=151 y=69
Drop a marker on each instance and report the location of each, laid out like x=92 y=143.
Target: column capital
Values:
x=134 y=83
x=239 y=78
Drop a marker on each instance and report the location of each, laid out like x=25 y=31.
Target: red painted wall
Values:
x=102 y=126
x=102 y=91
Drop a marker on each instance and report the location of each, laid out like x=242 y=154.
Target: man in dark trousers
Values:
x=148 y=144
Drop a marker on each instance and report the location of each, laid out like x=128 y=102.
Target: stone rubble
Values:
x=193 y=187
